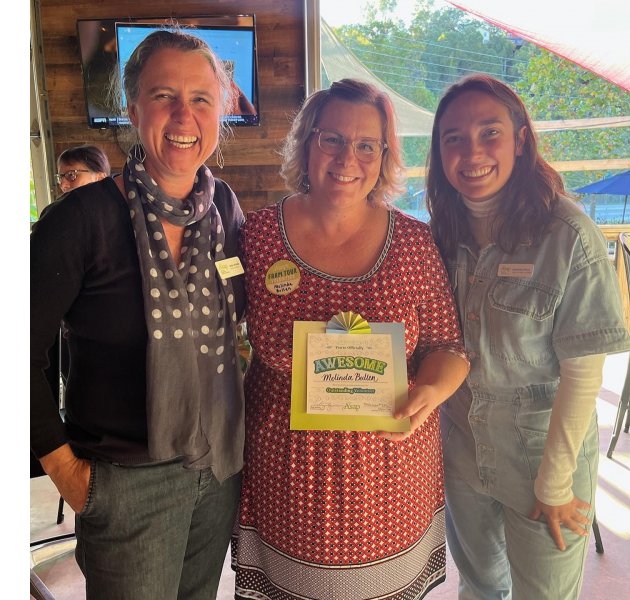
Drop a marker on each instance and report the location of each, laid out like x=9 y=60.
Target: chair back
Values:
x=624 y=243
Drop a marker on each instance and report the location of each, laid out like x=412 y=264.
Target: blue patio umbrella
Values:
x=617 y=184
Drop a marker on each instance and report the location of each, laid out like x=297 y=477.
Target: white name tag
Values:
x=229 y=267
x=522 y=271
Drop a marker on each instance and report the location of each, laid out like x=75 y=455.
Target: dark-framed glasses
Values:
x=70 y=175
x=332 y=143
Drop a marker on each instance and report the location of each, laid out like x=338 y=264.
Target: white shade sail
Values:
x=594 y=35
x=338 y=62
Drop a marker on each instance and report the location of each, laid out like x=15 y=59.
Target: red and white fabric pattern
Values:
x=336 y=514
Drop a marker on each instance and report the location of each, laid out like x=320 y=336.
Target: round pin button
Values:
x=282 y=278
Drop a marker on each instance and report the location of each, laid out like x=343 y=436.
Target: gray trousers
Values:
x=158 y=531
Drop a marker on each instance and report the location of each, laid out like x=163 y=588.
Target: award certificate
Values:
x=348 y=375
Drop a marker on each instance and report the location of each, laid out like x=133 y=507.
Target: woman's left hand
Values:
x=567 y=514
x=423 y=399
x=439 y=375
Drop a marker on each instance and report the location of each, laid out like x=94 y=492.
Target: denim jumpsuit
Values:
x=521 y=314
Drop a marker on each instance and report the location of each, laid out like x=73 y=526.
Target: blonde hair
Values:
x=294 y=152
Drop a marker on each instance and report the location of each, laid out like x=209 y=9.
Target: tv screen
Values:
x=107 y=44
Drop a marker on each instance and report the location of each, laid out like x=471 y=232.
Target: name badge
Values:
x=229 y=267
x=282 y=278
x=522 y=271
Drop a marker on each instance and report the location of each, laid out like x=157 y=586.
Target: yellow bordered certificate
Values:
x=346 y=379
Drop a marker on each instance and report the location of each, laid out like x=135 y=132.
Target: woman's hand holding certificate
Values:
x=439 y=375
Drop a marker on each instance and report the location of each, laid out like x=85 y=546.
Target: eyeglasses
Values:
x=332 y=143
x=70 y=175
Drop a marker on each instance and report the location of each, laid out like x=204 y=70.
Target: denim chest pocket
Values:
x=520 y=321
x=529 y=300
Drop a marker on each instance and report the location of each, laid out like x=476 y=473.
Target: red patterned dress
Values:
x=340 y=515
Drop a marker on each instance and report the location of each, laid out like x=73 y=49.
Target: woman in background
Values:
x=76 y=166
x=529 y=270
x=150 y=454
x=81 y=165
x=344 y=514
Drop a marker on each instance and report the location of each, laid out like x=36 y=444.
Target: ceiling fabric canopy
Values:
x=593 y=35
x=337 y=61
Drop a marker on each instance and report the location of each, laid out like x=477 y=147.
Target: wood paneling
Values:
x=611 y=233
x=251 y=155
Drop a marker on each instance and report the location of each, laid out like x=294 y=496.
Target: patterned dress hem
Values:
x=259 y=564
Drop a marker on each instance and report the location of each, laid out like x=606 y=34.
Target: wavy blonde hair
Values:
x=295 y=150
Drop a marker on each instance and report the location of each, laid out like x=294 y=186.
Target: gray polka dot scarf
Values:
x=194 y=389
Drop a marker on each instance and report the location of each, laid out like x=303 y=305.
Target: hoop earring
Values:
x=220 y=159
x=139 y=153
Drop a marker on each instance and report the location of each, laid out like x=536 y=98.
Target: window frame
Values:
x=41 y=143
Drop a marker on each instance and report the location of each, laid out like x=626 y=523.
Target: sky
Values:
x=342 y=12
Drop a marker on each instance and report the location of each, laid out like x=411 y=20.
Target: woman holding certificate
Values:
x=328 y=513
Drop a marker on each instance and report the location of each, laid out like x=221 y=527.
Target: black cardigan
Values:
x=85 y=270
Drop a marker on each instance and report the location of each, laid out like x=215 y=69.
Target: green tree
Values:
x=33 y=200
x=554 y=88
x=420 y=59
x=437 y=46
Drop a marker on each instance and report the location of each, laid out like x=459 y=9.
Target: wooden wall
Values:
x=611 y=233
x=251 y=156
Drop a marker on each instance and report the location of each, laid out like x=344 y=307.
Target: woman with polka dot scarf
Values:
x=138 y=267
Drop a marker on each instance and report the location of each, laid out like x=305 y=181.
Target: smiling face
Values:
x=478 y=145
x=177 y=114
x=344 y=178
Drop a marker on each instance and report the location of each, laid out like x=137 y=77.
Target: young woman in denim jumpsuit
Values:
x=540 y=308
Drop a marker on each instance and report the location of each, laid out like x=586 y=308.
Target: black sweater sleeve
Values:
x=84 y=270
x=58 y=254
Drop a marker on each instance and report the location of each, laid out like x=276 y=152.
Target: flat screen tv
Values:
x=106 y=45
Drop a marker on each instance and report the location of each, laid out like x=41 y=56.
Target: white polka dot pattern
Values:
x=182 y=298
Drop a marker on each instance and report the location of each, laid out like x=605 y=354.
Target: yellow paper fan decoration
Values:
x=348 y=322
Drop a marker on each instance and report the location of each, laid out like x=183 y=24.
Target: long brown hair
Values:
x=530 y=192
